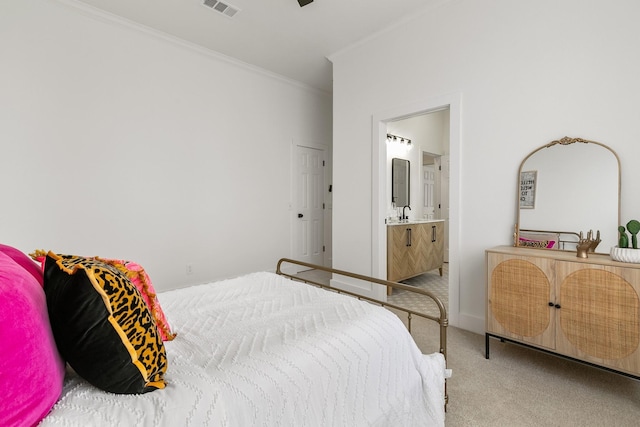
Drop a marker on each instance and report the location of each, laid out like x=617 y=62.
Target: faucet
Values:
x=404 y=215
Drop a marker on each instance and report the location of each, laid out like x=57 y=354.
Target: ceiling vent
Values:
x=224 y=8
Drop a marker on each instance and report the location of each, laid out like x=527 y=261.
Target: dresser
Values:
x=586 y=309
x=414 y=248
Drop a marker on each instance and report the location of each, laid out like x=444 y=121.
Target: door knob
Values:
x=300 y=215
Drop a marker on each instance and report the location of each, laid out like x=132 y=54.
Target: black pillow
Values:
x=102 y=326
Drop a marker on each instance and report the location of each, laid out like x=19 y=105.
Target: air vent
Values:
x=224 y=8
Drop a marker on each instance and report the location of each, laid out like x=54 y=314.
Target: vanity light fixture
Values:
x=406 y=142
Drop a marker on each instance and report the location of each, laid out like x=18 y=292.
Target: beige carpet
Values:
x=519 y=386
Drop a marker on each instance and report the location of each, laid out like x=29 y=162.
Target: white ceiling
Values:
x=277 y=35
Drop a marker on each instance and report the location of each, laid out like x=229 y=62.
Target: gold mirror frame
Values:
x=564 y=141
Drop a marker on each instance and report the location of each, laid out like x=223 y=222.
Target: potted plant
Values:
x=623 y=252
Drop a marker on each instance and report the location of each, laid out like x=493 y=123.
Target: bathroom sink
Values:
x=413 y=221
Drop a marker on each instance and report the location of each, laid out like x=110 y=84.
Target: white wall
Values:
x=121 y=143
x=526 y=73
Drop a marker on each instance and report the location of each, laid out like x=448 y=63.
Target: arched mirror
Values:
x=565 y=187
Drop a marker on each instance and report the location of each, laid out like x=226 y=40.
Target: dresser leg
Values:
x=486 y=346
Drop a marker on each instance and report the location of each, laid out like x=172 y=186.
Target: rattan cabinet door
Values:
x=598 y=319
x=519 y=292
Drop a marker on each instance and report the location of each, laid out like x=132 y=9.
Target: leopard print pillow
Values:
x=140 y=279
x=102 y=326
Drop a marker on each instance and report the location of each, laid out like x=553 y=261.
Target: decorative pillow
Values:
x=31 y=369
x=546 y=240
x=102 y=325
x=23 y=260
x=142 y=282
x=547 y=244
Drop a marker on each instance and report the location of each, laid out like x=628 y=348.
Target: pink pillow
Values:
x=31 y=369
x=142 y=282
x=24 y=261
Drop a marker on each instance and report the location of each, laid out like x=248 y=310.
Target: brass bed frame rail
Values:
x=442 y=320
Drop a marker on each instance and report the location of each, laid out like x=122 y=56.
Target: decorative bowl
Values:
x=625 y=254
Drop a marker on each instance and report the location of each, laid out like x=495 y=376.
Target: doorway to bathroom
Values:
x=425 y=145
x=408 y=122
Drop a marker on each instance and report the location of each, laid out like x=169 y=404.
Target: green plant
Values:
x=633 y=227
x=623 y=239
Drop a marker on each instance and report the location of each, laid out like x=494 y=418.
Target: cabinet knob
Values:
x=558 y=306
x=551 y=304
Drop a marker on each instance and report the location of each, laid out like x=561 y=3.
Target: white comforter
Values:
x=261 y=350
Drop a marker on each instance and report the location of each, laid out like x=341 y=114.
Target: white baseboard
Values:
x=471 y=323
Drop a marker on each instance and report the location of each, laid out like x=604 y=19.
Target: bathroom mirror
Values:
x=400 y=182
x=565 y=187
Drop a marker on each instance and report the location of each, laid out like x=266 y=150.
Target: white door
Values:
x=428 y=196
x=309 y=214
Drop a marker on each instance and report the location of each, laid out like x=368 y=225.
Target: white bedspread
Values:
x=261 y=350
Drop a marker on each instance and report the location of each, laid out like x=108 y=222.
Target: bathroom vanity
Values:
x=413 y=248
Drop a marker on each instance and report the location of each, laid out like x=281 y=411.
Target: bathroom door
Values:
x=428 y=194
x=309 y=214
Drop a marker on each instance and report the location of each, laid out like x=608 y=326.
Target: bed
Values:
x=262 y=349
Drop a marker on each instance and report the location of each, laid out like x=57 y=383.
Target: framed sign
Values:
x=528 y=189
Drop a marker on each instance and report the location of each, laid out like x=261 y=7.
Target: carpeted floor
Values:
x=520 y=386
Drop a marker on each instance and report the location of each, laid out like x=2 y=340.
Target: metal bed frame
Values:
x=442 y=320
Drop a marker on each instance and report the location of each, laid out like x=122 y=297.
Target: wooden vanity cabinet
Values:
x=414 y=249
x=584 y=309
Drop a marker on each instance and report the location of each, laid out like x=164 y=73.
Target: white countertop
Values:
x=414 y=221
